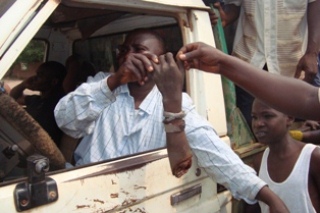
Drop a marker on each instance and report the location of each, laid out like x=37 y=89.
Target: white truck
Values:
x=138 y=183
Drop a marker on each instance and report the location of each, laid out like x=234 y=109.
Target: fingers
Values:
x=188 y=52
x=139 y=64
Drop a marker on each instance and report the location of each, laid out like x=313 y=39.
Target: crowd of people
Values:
x=142 y=105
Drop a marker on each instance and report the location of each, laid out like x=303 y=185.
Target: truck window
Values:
x=27 y=63
x=60 y=38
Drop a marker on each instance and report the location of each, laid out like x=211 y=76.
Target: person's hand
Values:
x=135 y=67
x=214 y=17
x=169 y=78
x=200 y=56
x=310 y=125
x=308 y=64
x=276 y=205
x=30 y=83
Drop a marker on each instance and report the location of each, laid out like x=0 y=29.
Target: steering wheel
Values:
x=40 y=142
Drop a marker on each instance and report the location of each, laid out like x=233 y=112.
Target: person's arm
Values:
x=76 y=112
x=291 y=96
x=272 y=200
x=17 y=91
x=311 y=136
x=169 y=79
x=308 y=62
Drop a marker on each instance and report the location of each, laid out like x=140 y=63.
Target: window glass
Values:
x=27 y=62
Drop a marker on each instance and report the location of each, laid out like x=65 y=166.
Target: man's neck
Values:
x=139 y=92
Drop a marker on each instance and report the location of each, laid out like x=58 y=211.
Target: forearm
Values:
x=312 y=136
x=17 y=91
x=313 y=17
x=272 y=200
x=280 y=92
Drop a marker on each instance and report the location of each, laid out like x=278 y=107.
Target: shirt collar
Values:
x=150 y=102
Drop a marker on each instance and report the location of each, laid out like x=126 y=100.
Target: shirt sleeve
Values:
x=218 y=159
x=77 y=112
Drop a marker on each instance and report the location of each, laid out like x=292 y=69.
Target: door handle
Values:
x=185 y=194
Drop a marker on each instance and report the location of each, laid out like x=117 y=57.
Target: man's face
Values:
x=269 y=125
x=139 y=42
x=43 y=80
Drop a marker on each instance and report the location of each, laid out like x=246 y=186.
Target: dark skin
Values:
x=141 y=50
x=302 y=103
x=271 y=127
x=42 y=81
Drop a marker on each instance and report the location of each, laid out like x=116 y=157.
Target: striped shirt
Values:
x=111 y=127
x=272 y=32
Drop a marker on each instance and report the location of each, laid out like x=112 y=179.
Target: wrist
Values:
x=172 y=105
x=113 y=82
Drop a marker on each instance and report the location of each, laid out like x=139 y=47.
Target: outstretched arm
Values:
x=289 y=95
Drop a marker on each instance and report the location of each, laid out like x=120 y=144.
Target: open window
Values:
x=93 y=33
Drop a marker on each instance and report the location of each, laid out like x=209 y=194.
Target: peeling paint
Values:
x=98 y=201
x=114 y=195
x=124 y=192
x=139 y=187
x=113 y=182
x=128 y=202
x=140 y=210
x=83 y=206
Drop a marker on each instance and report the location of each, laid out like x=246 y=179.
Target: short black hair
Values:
x=55 y=69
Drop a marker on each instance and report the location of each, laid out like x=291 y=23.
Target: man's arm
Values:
x=308 y=62
x=76 y=112
x=215 y=156
x=291 y=96
x=17 y=91
x=169 y=80
x=272 y=200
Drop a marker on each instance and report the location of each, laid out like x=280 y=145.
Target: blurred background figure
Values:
x=78 y=71
x=48 y=81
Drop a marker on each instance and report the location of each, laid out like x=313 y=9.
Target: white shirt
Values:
x=110 y=127
x=272 y=32
x=293 y=191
